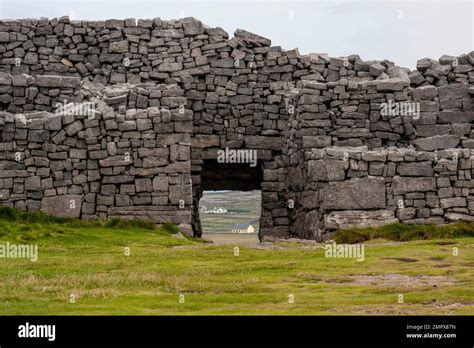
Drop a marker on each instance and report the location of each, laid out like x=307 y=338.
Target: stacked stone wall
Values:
x=350 y=163
x=171 y=94
x=122 y=162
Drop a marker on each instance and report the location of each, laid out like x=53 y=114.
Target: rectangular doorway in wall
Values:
x=230 y=217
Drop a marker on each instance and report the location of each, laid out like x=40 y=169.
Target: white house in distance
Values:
x=243 y=228
x=215 y=210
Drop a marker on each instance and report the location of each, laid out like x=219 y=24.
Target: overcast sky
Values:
x=402 y=31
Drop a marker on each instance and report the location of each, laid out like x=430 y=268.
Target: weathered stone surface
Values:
x=192 y=26
x=33 y=183
x=112 y=161
x=263 y=142
x=4 y=37
x=63 y=205
x=327 y=170
x=416 y=78
x=415 y=169
x=376 y=69
x=404 y=214
x=158 y=214
x=168 y=33
x=316 y=141
x=119 y=46
x=202 y=141
x=5 y=79
x=73 y=128
x=405 y=185
x=170 y=67
x=241 y=99
x=57 y=81
x=458 y=217
x=438 y=142
x=358 y=218
x=453 y=91
x=227 y=63
x=53 y=122
x=424 y=64
x=430 y=130
x=393 y=84
x=456 y=117
x=117 y=179
x=452 y=202
x=367 y=193
x=424 y=93
x=160 y=183
x=4 y=194
x=253 y=38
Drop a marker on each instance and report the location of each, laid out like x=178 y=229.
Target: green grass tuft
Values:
x=12 y=214
x=7 y=213
x=134 y=223
x=404 y=232
x=27 y=226
x=170 y=228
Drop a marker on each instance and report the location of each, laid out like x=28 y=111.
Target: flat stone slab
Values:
x=402 y=185
x=358 y=193
x=158 y=214
x=360 y=218
x=57 y=81
x=263 y=142
x=327 y=170
x=68 y=206
x=458 y=217
x=437 y=142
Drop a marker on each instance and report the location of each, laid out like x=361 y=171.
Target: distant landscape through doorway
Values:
x=230 y=216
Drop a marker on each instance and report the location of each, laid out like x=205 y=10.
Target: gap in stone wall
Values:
x=230 y=214
x=216 y=176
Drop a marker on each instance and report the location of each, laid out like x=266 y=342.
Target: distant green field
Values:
x=246 y=203
x=83 y=269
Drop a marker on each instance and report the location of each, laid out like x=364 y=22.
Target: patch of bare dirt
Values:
x=441 y=265
x=251 y=241
x=236 y=239
x=403 y=259
x=397 y=280
x=444 y=242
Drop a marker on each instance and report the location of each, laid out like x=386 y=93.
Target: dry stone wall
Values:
x=168 y=95
x=349 y=187
x=122 y=162
x=352 y=164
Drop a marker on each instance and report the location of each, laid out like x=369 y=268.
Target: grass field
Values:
x=165 y=275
